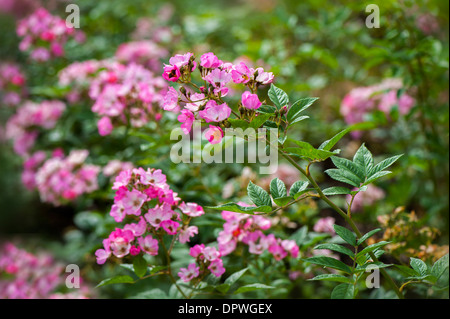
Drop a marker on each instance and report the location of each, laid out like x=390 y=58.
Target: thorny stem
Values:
x=340 y=212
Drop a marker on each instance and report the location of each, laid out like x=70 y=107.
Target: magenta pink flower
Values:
x=211 y=253
x=250 y=101
x=132 y=202
x=153 y=177
x=197 y=251
x=210 y=61
x=214 y=134
x=120 y=242
x=186 y=233
x=171 y=73
x=264 y=77
x=181 y=60
x=241 y=73
x=189 y=273
x=105 y=126
x=148 y=245
x=291 y=247
x=216 y=267
x=170 y=226
x=134 y=251
x=277 y=251
x=218 y=78
x=214 y=112
x=187 y=118
x=191 y=209
x=117 y=212
x=103 y=254
x=157 y=215
x=137 y=229
x=170 y=102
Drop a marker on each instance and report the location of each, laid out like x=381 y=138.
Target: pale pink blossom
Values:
x=149 y=245
x=214 y=112
x=189 y=273
x=214 y=134
x=250 y=101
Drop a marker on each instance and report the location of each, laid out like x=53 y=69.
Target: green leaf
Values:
x=440 y=270
x=116 y=280
x=282 y=201
x=419 y=266
x=298 y=107
x=298 y=119
x=406 y=271
x=223 y=288
x=343 y=291
x=252 y=287
x=383 y=165
x=371 y=265
x=155 y=293
x=368 y=235
x=267 y=109
x=306 y=150
x=343 y=176
x=297 y=187
x=259 y=120
x=332 y=277
x=277 y=188
x=371 y=248
x=238 y=123
x=345 y=234
x=376 y=176
x=139 y=265
x=350 y=167
x=278 y=96
x=336 y=247
x=328 y=144
x=364 y=159
x=235 y=277
x=258 y=195
x=329 y=262
x=233 y=207
x=336 y=191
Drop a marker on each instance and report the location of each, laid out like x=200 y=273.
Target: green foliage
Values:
x=278 y=96
x=361 y=171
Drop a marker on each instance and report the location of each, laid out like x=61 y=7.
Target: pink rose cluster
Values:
x=145 y=52
x=248 y=229
x=207 y=260
x=32 y=276
x=45 y=35
x=12 y=84
x=126 y=95
x=383 y=96
x=206 y=104
x=30 y=167
x=136 y=192
x=80 y=74
x=23 y=127
x=62 y=179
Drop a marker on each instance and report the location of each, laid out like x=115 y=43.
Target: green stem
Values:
x=343 y=215
x=169 y=268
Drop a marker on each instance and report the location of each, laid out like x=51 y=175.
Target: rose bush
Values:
x=86 y=122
